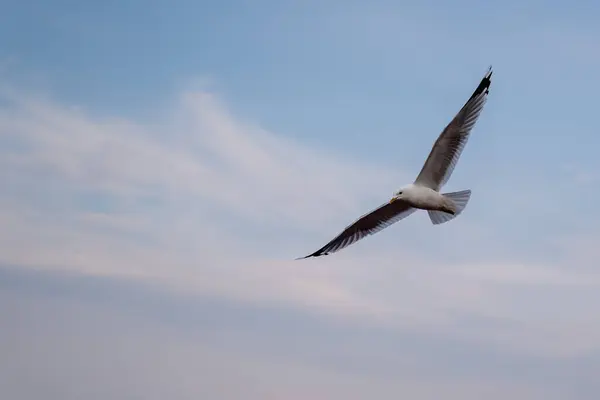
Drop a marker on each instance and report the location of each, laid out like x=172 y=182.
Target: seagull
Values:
x=424 y=192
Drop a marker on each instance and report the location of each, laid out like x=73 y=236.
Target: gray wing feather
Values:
x=448 y=147
x=369 y=224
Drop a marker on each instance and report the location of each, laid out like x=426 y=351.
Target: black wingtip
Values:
x=317 y=253
x=484 y=85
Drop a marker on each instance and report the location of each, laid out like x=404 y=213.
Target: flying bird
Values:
x=424 y=192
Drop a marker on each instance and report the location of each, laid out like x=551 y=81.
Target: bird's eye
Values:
x=399 y=193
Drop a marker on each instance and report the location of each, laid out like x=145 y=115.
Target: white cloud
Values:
x=210 y=178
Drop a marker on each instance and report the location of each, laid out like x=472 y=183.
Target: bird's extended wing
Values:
x=368 y=224
x=447 y=149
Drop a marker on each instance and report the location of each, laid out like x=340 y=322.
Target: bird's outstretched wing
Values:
x=447 y=149
x=368 y=224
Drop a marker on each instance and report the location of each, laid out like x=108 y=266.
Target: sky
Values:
x=163 y=164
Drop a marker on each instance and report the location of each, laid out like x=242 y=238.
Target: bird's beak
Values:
x=393 y=199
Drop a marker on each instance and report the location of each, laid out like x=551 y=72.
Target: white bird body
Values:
x=425 y=198
x=424 y=192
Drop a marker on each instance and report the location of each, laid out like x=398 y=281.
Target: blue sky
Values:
x=163 y=163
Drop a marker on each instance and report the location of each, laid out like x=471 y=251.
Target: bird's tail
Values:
x=460 y=200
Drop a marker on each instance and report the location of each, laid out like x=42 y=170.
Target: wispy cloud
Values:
x=172 y=199
x=203 y=154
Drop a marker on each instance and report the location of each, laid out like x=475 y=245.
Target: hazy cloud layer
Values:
x=150 y=254
x=71 y=337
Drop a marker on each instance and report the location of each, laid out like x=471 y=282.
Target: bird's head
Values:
x=397 y=196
